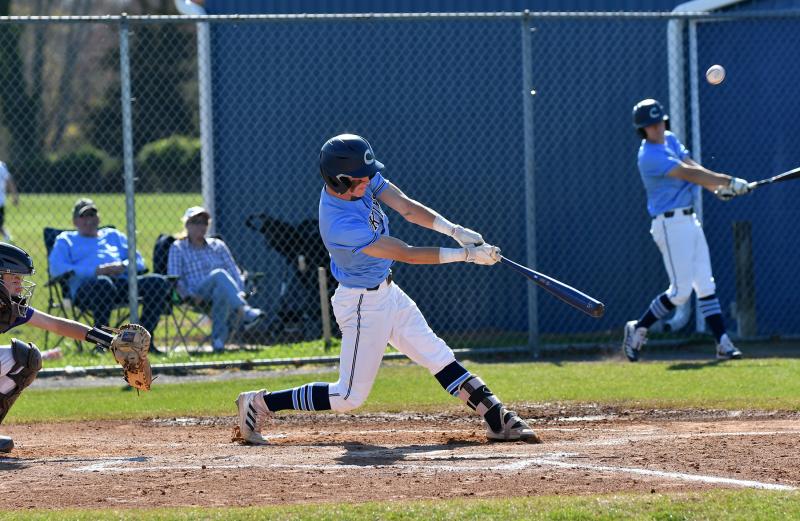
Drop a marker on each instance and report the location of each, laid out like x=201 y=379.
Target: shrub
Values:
x=169 y=165
x=87 y=167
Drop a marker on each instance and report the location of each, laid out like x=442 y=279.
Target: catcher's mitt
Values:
x=130 y=346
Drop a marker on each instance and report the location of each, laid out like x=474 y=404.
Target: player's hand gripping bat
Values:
x=561 y=291
x=791 y=174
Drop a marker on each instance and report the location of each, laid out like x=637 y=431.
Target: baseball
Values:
x=715 y=74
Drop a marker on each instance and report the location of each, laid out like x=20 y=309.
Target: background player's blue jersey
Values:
x=347 y=227
x=655 y=162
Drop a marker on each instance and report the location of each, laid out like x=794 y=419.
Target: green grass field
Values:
x=727 y=505
x=767 y=384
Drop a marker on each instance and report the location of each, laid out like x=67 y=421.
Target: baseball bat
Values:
x=559 y=290
x=791 y=174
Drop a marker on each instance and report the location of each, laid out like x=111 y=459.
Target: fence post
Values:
x=530 y=194
x=324 y=306
x=127 y=151
x=745 y=279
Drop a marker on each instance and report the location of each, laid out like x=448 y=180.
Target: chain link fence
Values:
x=517 y=125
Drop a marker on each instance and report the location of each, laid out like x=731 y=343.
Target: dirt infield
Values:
x=356 y=458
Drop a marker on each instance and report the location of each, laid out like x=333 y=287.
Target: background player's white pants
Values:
x=683 y=247
x=368 y=321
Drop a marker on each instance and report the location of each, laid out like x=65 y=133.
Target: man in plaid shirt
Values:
x=208 y=273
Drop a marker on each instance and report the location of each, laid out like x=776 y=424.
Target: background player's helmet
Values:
x=648 y=112
x=346 y=156
x=16 y=260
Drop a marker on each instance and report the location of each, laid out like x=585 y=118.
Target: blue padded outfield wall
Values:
x=449 y=127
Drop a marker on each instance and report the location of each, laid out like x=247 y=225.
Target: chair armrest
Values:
x=64 y=277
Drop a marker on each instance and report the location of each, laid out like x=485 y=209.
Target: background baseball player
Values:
x=20 y=362
x=669 y=176
x=370 y=309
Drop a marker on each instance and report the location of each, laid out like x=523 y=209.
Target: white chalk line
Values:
x=547 y=460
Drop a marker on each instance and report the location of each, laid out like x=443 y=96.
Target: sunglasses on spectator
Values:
x=201 y=220
x=89 y=213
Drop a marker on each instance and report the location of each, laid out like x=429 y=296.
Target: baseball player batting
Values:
x=670 y=176
x=370 y=308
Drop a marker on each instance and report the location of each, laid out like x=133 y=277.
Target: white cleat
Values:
x=253 y=414
x=726 y=350
x=514 y=429
x=633 y=340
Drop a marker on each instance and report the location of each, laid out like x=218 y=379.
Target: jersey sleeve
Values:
x=353 y=234
x=657 y=163
x=378 y=184
x=683 y=152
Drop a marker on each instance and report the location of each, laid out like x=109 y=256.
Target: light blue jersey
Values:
x=655 y=162
x=347 y=227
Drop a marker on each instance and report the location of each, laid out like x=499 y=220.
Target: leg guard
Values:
x=477 y=396
x=27 y=362
x=501 y=424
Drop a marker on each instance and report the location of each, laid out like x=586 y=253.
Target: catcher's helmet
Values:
x=16 y=261
x=344 y=157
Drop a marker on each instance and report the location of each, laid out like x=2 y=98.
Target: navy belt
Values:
x=686 y=211
x=388 y=281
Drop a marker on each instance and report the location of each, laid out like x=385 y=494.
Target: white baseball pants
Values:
x=684 y=249
x=368 y=321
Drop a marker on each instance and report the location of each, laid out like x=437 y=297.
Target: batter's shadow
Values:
x=13 y=464
x=365 y=454
x=694 y=366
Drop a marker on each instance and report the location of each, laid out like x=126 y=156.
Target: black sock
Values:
x=309 y=397
x=452 y=376
x=716 y=325
x=658 y=309
x=712 y=312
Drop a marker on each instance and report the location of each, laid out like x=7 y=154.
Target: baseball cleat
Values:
x=6 y=444
x=253 y=414
x=633 y=340
x=514 y=429
x=726 y=350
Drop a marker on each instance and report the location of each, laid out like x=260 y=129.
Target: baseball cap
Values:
x=194 y=211
x=82 y=206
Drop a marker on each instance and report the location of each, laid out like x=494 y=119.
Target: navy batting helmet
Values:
x=346 y=156
x=648 y=112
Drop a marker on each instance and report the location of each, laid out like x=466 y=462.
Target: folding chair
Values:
x=59 y=302
x=187 y=317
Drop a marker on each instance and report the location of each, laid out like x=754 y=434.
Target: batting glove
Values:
x=466 y=237
x=485 y=254
x=739 y=186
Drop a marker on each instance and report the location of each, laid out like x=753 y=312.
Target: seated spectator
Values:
x=99 y=260
x=208 y=273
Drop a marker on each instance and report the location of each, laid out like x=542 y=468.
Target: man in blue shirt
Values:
x=670 y=176
x=98 y=259
x=371 y=310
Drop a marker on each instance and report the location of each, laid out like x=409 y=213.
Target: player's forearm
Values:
x=699 y=175
x=419 y=214
x=59 y=325
x=419 y=255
